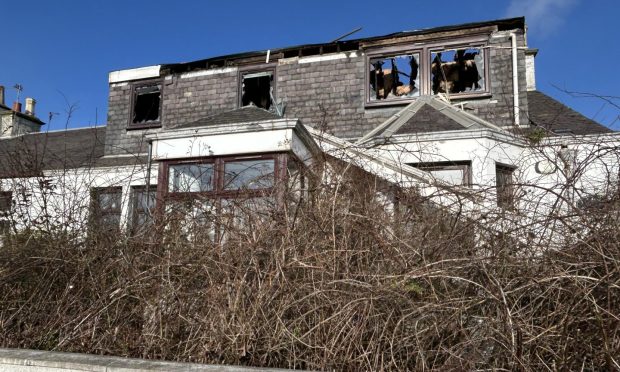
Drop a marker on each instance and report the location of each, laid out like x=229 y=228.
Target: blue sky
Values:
x=62 y=51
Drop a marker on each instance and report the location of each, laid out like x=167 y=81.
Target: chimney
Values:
x=2 y=95
x=30 y=103
x=530 y=70
x=17 y=107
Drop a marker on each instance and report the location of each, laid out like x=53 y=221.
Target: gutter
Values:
x=515 y=79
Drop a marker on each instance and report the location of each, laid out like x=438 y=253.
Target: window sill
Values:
x=144 y=126
x=403 y=102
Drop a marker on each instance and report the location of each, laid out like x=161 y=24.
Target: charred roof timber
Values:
x=249 y=58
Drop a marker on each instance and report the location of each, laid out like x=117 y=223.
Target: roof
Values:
x=427 y=114
x=554 y=116
x=246 y=114
x=29 y=154
x=336 y=46
x=7 y=110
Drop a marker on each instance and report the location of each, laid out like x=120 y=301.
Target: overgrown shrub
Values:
x=340 y=280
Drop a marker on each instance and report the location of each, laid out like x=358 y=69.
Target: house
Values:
x=448 y=110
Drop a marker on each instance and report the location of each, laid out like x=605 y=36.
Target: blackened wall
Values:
x=322 y=91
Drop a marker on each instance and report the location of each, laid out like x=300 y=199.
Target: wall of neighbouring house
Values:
x=327 y=91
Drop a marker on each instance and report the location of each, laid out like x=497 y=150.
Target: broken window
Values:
x=453 y=173
x=394 y=77
x=257 y=89
x=458 y=71
x=106 y=208
x=146 y=108
x=505 y=186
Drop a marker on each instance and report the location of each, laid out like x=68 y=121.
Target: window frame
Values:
x=133 y=100
x=386 y=54
x=95 y=213
x=504 y=201
x=218 y=190
x=5 y=223
x=8 y=197
x=134 y=207
x=464 y=165
x=242 y=71
x=425 y=49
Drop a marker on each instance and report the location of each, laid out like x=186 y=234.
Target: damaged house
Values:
x=441 y=109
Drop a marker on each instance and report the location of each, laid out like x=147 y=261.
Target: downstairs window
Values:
x=106 y=208
x=455 y=173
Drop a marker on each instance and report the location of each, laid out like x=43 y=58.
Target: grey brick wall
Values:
x=328 y=94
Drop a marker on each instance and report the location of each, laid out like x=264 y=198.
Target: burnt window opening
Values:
x=395 y=77
x=256 y=88
x=504 y=184
x=146 y=108
x=456 y=173
x=456 y=71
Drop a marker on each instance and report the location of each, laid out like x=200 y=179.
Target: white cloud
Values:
x=542 y=16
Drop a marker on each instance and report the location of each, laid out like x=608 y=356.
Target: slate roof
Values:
x=246 y=114
x=29 y=154
x=552 y=115
x=6 y=109
x=427 y=114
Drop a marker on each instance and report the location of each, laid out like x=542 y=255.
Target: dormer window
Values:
x=394 y=77
x=455 y=69
x=257 y=88
x=146 y=104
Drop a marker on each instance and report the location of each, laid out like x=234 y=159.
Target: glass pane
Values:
x=109 y=200
x=191 y=178
x=5 y=201
x=394 y=77
x=451 y=176
x=457 y=71
x=249 y=174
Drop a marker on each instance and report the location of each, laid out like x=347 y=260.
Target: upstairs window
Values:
x=257 y=89
x=504 y=184
x=455 y=71
x=394 y=77
x=146 y=104
x=395 y=74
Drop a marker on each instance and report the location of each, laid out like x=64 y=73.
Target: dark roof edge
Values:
x=503 y=25
x=34 y=119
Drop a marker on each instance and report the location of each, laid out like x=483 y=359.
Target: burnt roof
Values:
x=28 y=155
x=335 y=46
x=554 y=116
x=246 y=114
